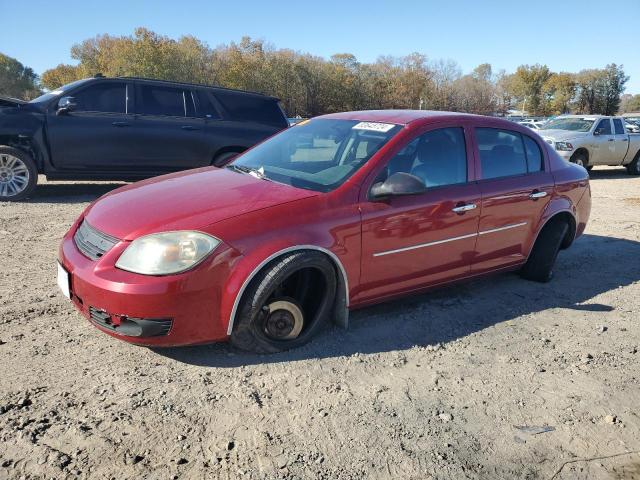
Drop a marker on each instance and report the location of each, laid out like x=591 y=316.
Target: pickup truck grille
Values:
x=91 y=242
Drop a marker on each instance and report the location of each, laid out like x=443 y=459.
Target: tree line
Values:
x=310 y=85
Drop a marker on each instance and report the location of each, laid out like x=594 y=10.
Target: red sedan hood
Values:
x=189 y=200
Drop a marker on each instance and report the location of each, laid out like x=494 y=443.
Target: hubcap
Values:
x=579 y=162
x=14 y=175
x=284 y=320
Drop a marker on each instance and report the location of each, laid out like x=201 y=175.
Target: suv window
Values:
x=438 y=158
x=617 y=124
x=206 y=107
x=161 y=100
x=501 y=153
x=108 y=97
x=604 y=127
x=242 y=106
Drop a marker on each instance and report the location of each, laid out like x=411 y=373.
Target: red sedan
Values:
x=339 y=212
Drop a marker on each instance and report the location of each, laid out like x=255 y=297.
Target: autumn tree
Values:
x=16 y=80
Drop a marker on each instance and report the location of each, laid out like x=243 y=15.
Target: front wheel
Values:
x=18 y=174
x=286 y=304
x=581 y=159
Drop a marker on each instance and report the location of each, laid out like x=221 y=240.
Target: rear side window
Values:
x=251 y=108
x=617 y=125
x=534 y=155
x=501 y=153
x=167 y=101
x=206 y=107
x=604 y=127
x=103 y=97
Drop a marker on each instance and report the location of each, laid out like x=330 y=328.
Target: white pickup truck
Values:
x=591 y=140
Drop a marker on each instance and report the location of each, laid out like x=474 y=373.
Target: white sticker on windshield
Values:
x=375 y=126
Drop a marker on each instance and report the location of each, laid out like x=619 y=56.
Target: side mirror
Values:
x=596 y=132
x=398 y=184
x=66 y=104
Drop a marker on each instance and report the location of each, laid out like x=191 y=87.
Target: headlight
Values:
x=564 y=146
x=166 y=253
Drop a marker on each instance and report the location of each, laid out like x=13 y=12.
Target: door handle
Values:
x=464 y=208
x=536 y=195
x=611 y=139
x=189 y=127
x=120 y=124
x=624 y=139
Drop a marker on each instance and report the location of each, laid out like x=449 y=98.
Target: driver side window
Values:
x=604 y=127
x=438 y=158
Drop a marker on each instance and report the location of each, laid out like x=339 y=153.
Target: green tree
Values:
x=558 y=92
x=527 y=85
x=16 y=80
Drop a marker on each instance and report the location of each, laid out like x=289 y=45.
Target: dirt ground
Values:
x=458 y=383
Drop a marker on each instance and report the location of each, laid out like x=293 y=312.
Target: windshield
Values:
x=573 y=124
x=316 y=155
x=58 y=91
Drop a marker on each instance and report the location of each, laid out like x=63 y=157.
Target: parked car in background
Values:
x=127 y=129
x=532 y=124
x=590 y=140
x=632 y=126
x=339 y=212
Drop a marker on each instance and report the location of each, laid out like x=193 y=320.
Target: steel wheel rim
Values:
x=14 y=175
x=284 y=320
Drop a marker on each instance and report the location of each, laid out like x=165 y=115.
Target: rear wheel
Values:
x=539 y=266
x=634 y=167
x=286 y=304
x=18 y=174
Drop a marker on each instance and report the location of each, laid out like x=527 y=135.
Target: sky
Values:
x=566 y=35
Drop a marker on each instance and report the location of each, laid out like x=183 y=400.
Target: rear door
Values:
x=621 y=140
x=516 y=187
x=169 y=130
x=604 y=149
x=97 y=135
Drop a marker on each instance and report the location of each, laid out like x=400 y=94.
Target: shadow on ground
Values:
x=619 y=173
x=71 y=192
x=593 y=265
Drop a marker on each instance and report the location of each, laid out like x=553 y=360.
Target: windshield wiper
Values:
x=254 y=172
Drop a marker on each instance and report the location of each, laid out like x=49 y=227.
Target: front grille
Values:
x=131 y=326
x=91 y=242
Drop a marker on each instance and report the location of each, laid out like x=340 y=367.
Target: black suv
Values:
x=127 y=129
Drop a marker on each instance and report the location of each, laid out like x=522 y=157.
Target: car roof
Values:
x=195 y=85
x=400 y=117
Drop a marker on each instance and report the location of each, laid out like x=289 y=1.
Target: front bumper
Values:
x=170 y=310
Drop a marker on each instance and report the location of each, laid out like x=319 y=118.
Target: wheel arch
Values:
x=565 y=214
x=580 y=150
x=341 y=302
x=229 y=149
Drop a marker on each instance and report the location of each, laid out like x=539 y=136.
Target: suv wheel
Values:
x=18 y=174
x=286 y=304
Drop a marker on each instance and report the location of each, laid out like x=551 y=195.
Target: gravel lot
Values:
x=454 y=384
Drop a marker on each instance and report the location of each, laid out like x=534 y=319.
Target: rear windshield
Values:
x=252 y=108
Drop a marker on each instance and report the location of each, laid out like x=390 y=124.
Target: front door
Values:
x=97 y=135
x=516 y=187
x=603 y=143
x=409 y=242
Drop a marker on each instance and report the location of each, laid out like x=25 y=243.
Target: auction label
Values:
x=375 y=126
